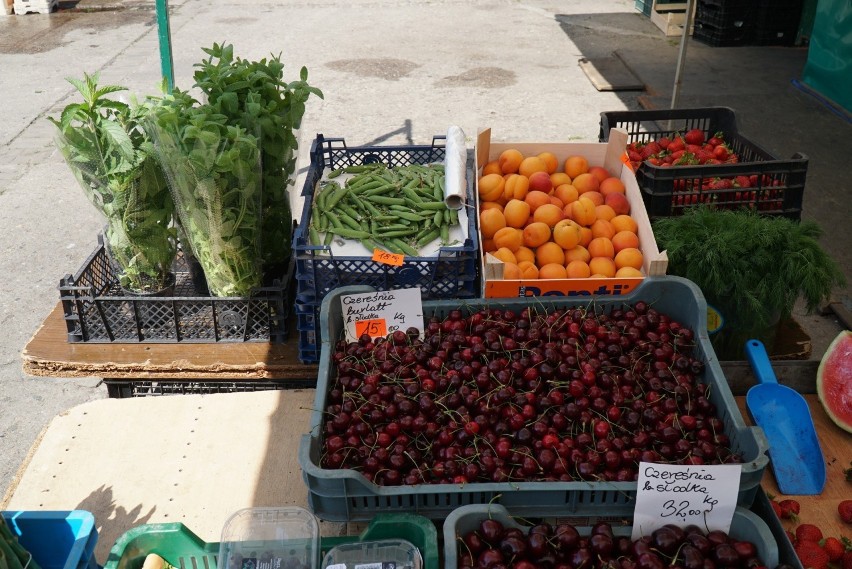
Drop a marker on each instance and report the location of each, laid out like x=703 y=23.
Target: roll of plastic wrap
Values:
x=455 y=169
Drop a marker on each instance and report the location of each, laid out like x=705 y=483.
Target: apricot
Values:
x=490 y=205
x=625 y=272
x=599 y=172
x=536 y=199
x=528 y=270
x=511 y=272
x=488 y=245
x=532 y=164
x=524 y=254
x=603 y=211
x=586 y=183
x=612 y=186
x=552 y=271
x=585 y=236
x=540 y=182
x=567 y=193
x=491 y=221
x=566 y=234
x=601 y=228
x=550 y=214
x=551 y=162
x=508 y=238
x=510 y=160
x=596 y=197
x=601 y=247
x=559 y=178
x=516 y=187
x=578 y=253
x=492 y=167
x=629 y=257
x=576 y=165
x=583 y=211
x=516 y=212
x=549 y=252
x=578 y=269
x=602 y=266
x=624 y=240
x=491 y=187
x=504 y=255
x=535 y=234
x=618 y=203
x=624 y=222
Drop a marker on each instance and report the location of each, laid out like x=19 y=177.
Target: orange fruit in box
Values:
x=516 y=212
x=624 y=223
x=604 y=212
x=536 y=199
x=630 y=257
x=491 y=187
x=548 y=213
x=536 y=233
x=578 y=253
x=578 y=270
x=528 y=269
x=559 y=178
x=601 y=247
x=510 y=160
x=516 y=187
x=576 y=165
x=567 y=193
x=602 y=228
x=548 y=253
x=625 y=272
x=531 y=165
x=490 y=222
x=566 y=234
x=612 y=186
x=599 y=172
x=602 y=267
x=505 y=255
x=586 y=183
x=552 y=271
x=624 y=240
x=550 y=160
x=583 y=212
x=511 y=271
x=492 y=167
x=508 y=237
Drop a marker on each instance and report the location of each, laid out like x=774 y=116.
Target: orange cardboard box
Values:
x=610 y=155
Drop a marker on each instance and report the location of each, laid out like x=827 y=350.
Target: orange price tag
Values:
x=626 y=160
x=375 y=328
x=394 y=259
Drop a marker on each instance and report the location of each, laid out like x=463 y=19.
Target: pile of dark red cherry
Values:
x=529 y=395
x=495 y=546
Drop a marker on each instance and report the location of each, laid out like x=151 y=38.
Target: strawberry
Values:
x=789 y=508
x=846 y=560
x=808 y=532
x=694 y=136
x=776 y=507
x=812 y=555
x=844 y=508
x=716 y=139
x=742 y=181
x=833 y=547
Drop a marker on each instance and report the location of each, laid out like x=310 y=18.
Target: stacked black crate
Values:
x=725 y=23
x=777 y=22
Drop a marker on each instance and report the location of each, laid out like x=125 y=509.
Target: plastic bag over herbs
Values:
x=112 y=158
x=213 y=170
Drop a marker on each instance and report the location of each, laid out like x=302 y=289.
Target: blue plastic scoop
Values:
x=783 y=414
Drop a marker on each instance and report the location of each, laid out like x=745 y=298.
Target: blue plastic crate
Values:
x=345 y=495
x=56 y=539
x=453 y=273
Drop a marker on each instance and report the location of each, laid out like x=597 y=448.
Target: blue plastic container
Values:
x=56 y=539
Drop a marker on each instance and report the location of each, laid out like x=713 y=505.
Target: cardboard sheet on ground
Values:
x=194 y=459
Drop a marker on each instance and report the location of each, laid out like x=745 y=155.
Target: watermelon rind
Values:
x=834 y=381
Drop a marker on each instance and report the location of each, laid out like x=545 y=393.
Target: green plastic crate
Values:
x=178 y=545
x=745 y=526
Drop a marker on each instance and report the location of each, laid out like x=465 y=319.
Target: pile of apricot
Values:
x=546 y=220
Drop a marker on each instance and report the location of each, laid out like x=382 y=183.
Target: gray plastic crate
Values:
x=341 y=495
x=745 y=526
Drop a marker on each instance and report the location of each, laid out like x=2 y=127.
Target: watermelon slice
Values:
x=834 y=381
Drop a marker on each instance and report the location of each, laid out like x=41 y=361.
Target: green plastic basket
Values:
x=180 y=547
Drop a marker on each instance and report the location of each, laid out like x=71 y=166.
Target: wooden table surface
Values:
x=49 y=354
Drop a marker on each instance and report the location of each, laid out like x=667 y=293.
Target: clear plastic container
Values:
x=381 y=554
x=270 y=538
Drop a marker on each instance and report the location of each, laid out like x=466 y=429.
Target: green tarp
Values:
x=828 y=70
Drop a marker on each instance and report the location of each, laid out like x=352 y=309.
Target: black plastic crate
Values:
x=722 y=36
x=729 y=16
x=97 y=310
x=453 y=273
x=777 y=23
x=779 y=184
x=125 y=389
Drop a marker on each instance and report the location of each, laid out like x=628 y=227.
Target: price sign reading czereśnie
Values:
x=381 y=313
x=704 y=495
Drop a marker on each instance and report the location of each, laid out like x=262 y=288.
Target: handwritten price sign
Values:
x=381 y=313
x=704 y=495
x=386 y=258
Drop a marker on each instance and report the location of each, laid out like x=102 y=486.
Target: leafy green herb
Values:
x=254 y=95
x=213 y=168
x=111 y=156
x=754 y=268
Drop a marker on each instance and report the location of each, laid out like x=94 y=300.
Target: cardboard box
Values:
x=610 y=155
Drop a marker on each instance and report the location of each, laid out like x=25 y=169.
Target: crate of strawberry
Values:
x=683 y=157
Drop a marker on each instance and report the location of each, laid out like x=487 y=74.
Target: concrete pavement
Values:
x=393 y=72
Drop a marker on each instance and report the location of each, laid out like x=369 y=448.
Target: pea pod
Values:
x=348 y=220
x=338 y=194
x=351 y=233
x=314 y=236
x=445 y=234
x=432 y=206
x=454 y=217
x=404 y=247
x=429 y=237
x=396 y=233
x=438 y=218
x=357 y=169
x=335 y=173
x=387 y=200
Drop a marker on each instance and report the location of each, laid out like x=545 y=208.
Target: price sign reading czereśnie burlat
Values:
x=381 y=313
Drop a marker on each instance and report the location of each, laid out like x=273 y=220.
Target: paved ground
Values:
x=393 y=71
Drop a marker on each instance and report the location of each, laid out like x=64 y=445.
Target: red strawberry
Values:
x=716 y=139
x=721 y=152
x=664 y=142
x=808 y=532
x=812 y=555
x=776 y=507
x=742 y=181
x=694 y=136
x=789 y=508
x=844 y=508
x=833 y=547
x=676 y=144
x=846 y=560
